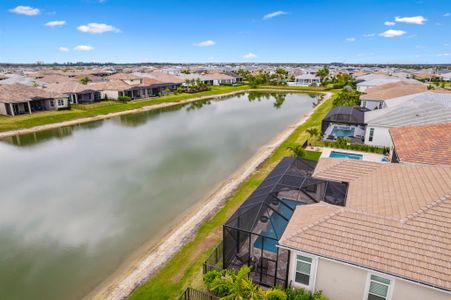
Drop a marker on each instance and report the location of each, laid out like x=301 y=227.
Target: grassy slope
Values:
x=90 y=110
x=185 y=268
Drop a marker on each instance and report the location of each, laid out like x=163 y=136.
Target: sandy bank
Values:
x=155 y=257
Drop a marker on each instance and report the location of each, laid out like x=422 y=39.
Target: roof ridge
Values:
x=426 y=208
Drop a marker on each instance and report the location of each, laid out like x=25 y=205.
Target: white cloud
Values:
x=83 y=48
x=419 y=20
x=448 y=14
x=207 y=43
x=389 y=23
x=368 y=35
x=63 y=49
x=274 y=14
x=351 y=39
x=250 y=55
x=392 y=33
x=25 y=10
x=96 y=28
x=55 y=23
x=443 y=54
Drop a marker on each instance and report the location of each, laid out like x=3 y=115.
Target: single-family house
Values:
x=424 y=144
x=417 y=109
x=344 y=121
x=376 y=96
x=19 y=99
x=390 y=241
x=78 y=93
x=218 y=79
x=306 y=79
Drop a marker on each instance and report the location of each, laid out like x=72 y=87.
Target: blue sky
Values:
x=353 y=31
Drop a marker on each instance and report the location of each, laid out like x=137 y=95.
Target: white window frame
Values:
x=385 y=276
x=313 y=269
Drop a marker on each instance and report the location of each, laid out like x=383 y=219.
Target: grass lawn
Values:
x=100 y=108
x=185 y=268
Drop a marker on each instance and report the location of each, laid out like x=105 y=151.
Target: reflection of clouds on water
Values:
x=102 y=193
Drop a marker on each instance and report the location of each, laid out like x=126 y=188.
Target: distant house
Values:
x=390 y=241
x=376 y=96
x=19 y=99
x=218 y=79
x=424 y=144
x=344 y=121
x=306 y=80
x=417 y=109
x=78 y=93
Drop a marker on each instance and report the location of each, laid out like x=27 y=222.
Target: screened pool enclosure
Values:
x=251 y=235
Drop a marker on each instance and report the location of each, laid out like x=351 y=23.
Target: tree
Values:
x=297 y=150
x=85 y=80
x=347 y=98
x=323 y=73
x=238 y=286
x=313 y=132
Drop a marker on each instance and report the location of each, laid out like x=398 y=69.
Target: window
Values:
x=378 y=288
x=51 y=103
x=60 y=102
x=303 y=269
x=370 y=139
x=363 y=103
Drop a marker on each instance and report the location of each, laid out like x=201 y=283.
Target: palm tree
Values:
x=239 y=285
x=297 y=150
x=322 y=73
x=313 y=132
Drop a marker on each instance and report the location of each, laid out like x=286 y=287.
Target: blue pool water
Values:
x=342 y=132
x=277 y=228
x=336 y=154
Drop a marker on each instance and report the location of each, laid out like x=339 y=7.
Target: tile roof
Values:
x=70 y=86
x=393 y=90
x=16 y=93
x=426 y=144
x=397 y=220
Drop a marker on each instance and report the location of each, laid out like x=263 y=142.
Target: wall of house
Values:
x=370 y=104
x=406 y=290
x=110 y=94
x=340 y=282
x=3 y=109
x=381 y=137
x=64 y=104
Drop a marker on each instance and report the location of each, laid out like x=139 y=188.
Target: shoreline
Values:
x=127 y=278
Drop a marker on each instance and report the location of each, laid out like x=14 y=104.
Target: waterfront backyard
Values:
x=150 y=153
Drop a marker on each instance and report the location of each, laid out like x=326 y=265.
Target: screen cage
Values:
x=251 y=235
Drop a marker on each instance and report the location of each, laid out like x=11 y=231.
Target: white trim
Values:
x=383 y=275
x=369 y=270
x=313 y=270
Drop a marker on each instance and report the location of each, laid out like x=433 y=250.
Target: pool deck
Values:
x=325 y=152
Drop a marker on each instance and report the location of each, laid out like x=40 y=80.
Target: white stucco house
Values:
x=305 y=80
x=387 y=244
x=418 y=109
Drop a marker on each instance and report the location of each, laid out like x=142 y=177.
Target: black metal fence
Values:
x=193 y=294
x=215 y=260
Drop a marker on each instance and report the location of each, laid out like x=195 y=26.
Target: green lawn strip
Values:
x=185 y=268
x=101 y=108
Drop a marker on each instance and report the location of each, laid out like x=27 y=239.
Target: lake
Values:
x=76 y=202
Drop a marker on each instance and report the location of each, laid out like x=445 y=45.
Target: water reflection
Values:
x=72 y=209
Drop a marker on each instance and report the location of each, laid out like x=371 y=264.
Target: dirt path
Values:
x=154 y=258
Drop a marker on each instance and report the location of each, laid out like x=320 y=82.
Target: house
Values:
x=77 y=93
x=367 y=81
x=424 y=144
x=18 y=99
x=390 y=241
x=344 y=121
x=306 y=80
x=417 y=109
x=376 y=96
x=219 y=79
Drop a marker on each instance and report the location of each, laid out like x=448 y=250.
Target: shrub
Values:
x=347 y=98
x=124 y=98
x=275 y=294
x=344 y=143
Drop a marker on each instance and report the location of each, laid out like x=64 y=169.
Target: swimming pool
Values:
x=336 y=154
x=343 y=131
x=275 y=227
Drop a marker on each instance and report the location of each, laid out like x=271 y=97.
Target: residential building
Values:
x=306 y=80
x=424 y=144
x=390 y=241
x=418 y=109
x=78 y=93
x=376 y=96
x=18 y=99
